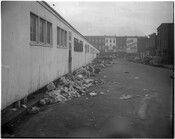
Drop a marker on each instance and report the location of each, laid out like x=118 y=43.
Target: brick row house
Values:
x=160 y=44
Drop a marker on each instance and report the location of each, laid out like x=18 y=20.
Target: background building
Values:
x=142 y=46
x=97 y=41
x=121 y=46
x=165 y=42
x=110 y=44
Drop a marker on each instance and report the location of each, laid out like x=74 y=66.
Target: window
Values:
x=62 y=37
x=49 y=32
x=114 y=41
x=42 y=30
x=33 y=27
x=78 y=45
x=110 y=40
x=106 y=40
x=58 y=35
x=65 y=38
x=81 y=46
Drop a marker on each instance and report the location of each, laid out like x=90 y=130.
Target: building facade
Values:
x=165 y=42
x=97 y=41
x=142 y=46
x=121 y=46
x=115 y=45
x=110 y=44
x=38 y=46
x=151 y=45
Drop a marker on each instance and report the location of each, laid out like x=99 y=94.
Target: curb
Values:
x=10 y=117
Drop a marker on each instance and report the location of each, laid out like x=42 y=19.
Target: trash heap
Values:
x=73 y=85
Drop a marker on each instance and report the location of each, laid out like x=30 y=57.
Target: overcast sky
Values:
x=115 y=18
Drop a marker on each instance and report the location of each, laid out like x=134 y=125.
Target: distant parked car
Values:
x=137 y=59
x=147 y=60
x=156 y=60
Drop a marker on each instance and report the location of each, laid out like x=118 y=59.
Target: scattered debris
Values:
x=75 y=84
x=51 y=86
x=128 y=96
x=125 y=96
x=6 y=135
x=42 y=102
x=33 y=110
x=136 y=77
x=14 y=109
x=126 y=72
x=96 y=71
x=101 y=93
x=92 y=93
x=24 y=106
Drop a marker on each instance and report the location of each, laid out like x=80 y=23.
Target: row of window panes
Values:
x=96 y=40
x=61 y=37
x=40 y=30
x=78 y=45
x=110 y=41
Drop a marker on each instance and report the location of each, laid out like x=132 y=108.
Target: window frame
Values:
x=65 y=38
x=58 y=36
x=44 y=31
x=38 y=41
x=36 y=28
x=50 y=36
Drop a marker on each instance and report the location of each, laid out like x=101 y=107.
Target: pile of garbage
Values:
x=73 y=85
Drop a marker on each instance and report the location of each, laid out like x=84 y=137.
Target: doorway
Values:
x=70 y=58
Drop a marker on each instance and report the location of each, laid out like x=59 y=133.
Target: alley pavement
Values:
x=135 y=100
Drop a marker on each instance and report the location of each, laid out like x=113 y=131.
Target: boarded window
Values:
x=33 y=27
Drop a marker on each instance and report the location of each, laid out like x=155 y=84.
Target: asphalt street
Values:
x=137 y=102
